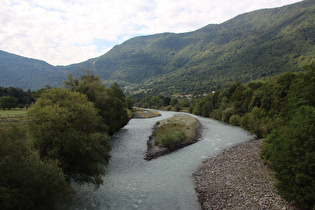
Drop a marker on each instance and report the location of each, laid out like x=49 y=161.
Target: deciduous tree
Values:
x=7 y=102
x=26 y=181
x=65 y=126
x=291 y=151
x=110 y=102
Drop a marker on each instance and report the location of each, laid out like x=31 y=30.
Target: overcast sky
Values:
x=63 y=32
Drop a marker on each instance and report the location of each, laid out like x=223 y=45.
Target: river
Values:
x=163 y=183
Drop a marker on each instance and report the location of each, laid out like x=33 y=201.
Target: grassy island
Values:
x=144 y=113
x=171 y=134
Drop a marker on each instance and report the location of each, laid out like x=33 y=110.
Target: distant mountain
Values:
x=27 y=73
x=250 y=46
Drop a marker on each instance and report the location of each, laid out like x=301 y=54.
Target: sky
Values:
x=63 y=32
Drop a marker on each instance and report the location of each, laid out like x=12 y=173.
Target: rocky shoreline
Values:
x=238 y=179
x=154 y=151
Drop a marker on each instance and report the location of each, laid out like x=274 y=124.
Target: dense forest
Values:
x=63 y=139
x=281 y=110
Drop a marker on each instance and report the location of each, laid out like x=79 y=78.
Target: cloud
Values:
x=69 y=31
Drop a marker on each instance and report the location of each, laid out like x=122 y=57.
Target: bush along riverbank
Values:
x=171 y=134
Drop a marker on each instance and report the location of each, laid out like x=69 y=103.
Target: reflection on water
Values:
x=163 y=183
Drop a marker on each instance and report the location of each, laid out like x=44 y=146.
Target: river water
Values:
x=163 y=183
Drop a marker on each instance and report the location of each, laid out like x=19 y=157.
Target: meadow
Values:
x=12 y=115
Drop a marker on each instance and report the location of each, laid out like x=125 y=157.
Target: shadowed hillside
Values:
x=27 y=73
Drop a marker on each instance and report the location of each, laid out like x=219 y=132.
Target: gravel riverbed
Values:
x=238 y=178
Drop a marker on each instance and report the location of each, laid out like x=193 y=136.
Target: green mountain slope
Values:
x=250 y=46
x=27 y=73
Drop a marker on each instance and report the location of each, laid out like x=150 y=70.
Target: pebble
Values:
x=238 y=178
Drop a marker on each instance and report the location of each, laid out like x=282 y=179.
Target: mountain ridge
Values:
x=22 y=72
x=252 y=45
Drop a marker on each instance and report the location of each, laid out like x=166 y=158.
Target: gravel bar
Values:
x=238 y=178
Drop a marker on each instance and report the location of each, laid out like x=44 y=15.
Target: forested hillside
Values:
x=253 y=45
x=249 y=46
x=27 y=73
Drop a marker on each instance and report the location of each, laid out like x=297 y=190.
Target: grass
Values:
x=12 y=115
x=143 y=113
x=174 y=131
x=129 y=113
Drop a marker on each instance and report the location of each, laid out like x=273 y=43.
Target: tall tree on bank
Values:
x=110 y=102
x=66 y=127
x=26 y=181
x=291 y=150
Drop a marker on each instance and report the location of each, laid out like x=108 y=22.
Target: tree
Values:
x=173 y=102
x=110 y=102
x=29 y=97
x=26 y=181
x=166 y=101
x=7 y=102
x=65 y=126
x=291 y=151
x=246 y=99
x=281 y=89
x=129 y=102
x=256 y=100
x=117 y=117
x=302 y=92
x=17 y=93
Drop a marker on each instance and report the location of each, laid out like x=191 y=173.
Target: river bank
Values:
x=238 y=179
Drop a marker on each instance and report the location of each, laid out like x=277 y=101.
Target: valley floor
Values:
x=237 y=179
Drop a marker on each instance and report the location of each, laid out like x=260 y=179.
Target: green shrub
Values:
x=172 y=132
x=20 y=106
x=255 y=122
x=226 y=114
x=177 y=107
x=235 y=120
x=216 y=114
x=172 y=139
x=244 y=121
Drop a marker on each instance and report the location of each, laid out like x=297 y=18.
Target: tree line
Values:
x=64 y=139
x=12 y=97
x=282 y=111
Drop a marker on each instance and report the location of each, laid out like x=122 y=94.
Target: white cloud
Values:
x=65 y=31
